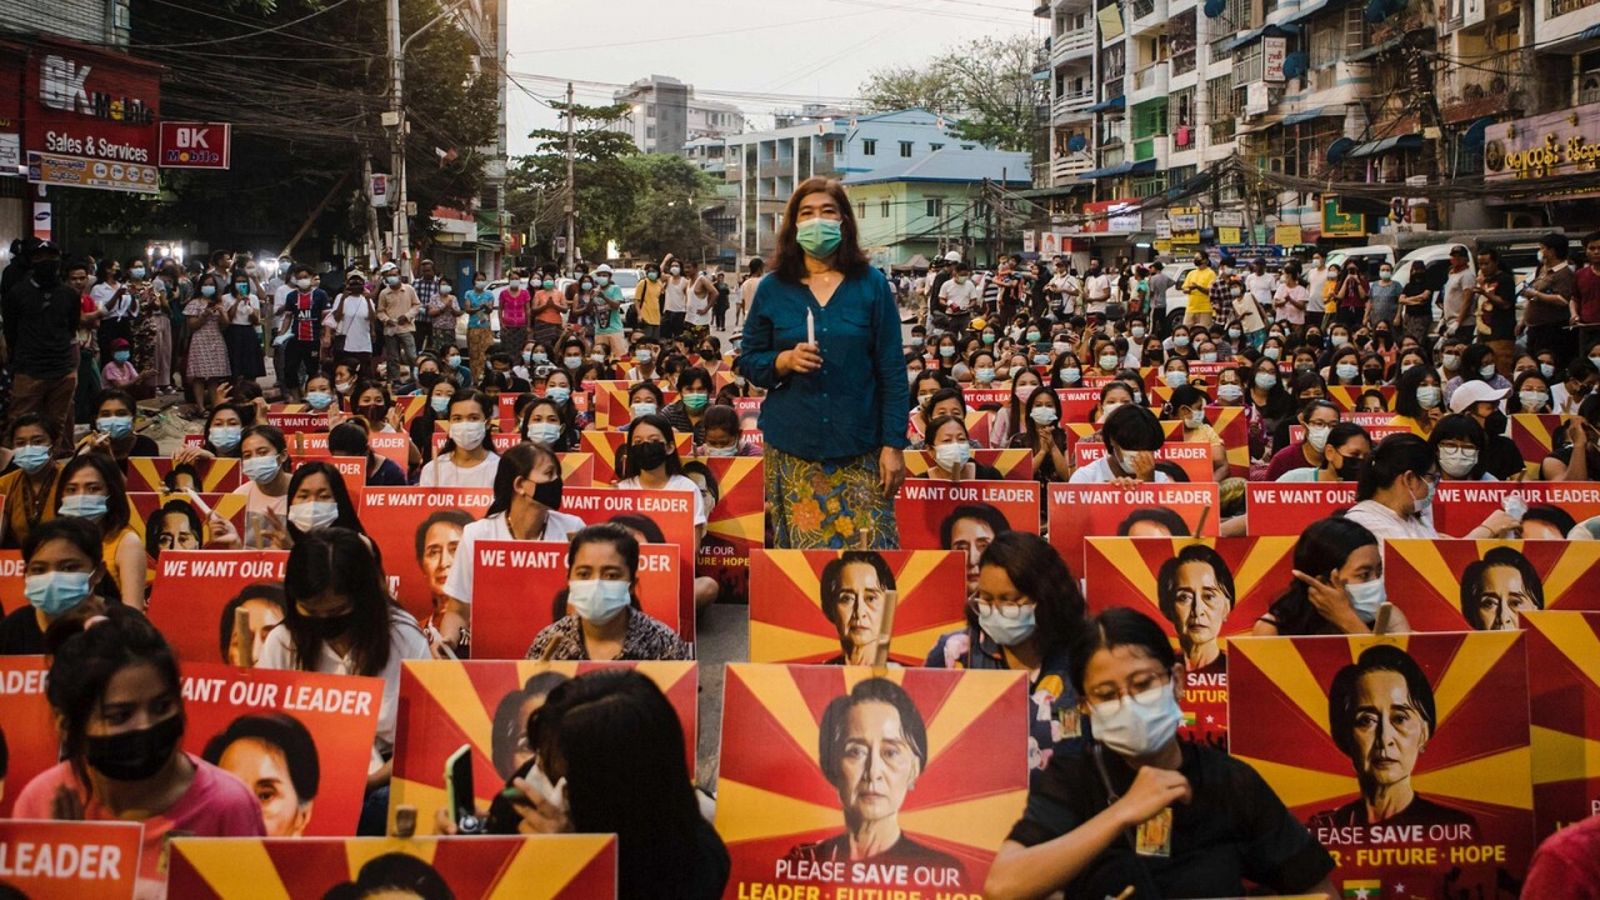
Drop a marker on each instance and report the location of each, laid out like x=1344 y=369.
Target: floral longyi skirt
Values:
x=828 y=504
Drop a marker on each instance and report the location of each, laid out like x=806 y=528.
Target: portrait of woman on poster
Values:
x=1381 y=714
x=1195 y=592
x=872 y=747
x=1498 y=589
x=855 y=598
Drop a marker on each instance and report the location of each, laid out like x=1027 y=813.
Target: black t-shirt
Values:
x=1503 y=316
x=20 y=634
x=1234 y=829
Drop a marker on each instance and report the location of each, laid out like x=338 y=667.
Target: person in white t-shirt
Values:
x=526 y=507
x=1395 y=494
x=1096 y=289
x=649 y=461
x=1132 y=435
x=958 y=296
x=465 y=459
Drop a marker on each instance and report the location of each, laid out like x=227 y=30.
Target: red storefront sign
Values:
x=89 y=118
x=195 y=145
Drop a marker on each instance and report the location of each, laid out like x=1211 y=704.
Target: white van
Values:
x=1369 y=258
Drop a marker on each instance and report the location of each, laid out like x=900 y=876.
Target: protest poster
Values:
x=611 y=407
x=1077 y=404
x=1460 y=506
x=27 y=725
x=499 y=440
x=736 y=525
x=1230 y=424
x=1152 y=509
x=1452 y=585
x=418 y=530
x=1288 y=508
x=785 y=777
x=926 y=506
x=301 y=741
x=208 y=602
x=507 y=406
x=60 y=860
x=180 y=529
x=294 y=422
x=1202 y=593
x=485 y=704
x=1376 y=433
x=1193 y=457
x=155 y=474
x=1077 y=431
x=518 y=588
x=391 y=445
x=1406 y=756
x=606 y=444
x=1564 y=711
x=831 y=607
x=11 y=579
x=655 y=517
x=577 y=469
x=980 y=427
x=1348 y=397
x=1536 y=436
x=987 y=398
x=1013 y=465
x=353 y=469
x=534 y=867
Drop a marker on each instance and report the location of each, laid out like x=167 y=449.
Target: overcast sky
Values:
x=818 y=49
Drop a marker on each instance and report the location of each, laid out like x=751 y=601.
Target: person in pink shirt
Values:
x=120 y=372
x=115 y=691
x=513 y=303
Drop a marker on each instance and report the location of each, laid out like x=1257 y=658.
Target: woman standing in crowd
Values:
x=479 y=303
x=823 y=338
x=152 y=330
x=605 y=621
x=91 y=487
x=116 y=694
x=526 y=507
x=1074 y=835
x=354 y=312
x=516 y=305
x=465 y=460
x=242 y=310
x=208 y=351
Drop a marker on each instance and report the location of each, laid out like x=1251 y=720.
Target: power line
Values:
x=239 y=37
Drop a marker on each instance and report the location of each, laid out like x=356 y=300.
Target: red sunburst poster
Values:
x=1488 y=585
x=1564 y=678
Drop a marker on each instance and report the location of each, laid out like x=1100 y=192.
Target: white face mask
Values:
x=1230 y=393
x=313 y=514
x=1137 y=726
x=1458 y=462
x=1008 y=632
x=1365 y=598
x=1108 y=362
x=1196 y=418
x=1129 y=461
x=598 y=601
x=1317 y=436
x=1486 y=371
x=468 y=435
x=1532 y=401
x=952 y=456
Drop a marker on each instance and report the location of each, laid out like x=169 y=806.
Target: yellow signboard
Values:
x=1287 y=236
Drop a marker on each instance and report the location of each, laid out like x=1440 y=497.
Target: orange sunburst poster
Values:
x=485 y=704
x=1406 y=756
x=1565 y=710
x=946 y=764
x=537 y=867
x=794 y=591
x=142 y=507
x=1013 y=465
x=1202 y=593
x=150 y=473
x=736 y=526
x=1488 y=585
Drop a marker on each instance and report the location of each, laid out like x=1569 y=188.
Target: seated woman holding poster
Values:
x=526 y=507
x=319 y=498
x=1027 y=611
x=63 y=573
x=91 y=487
x=1337 y=587
x=266 y=464
x=338 y=620
x=649 y=461
x=465 y=459
x=605 y=621
x=115 y=691
x=1395 y=494
x=952 y=452
x=1138 y=813
x=1132 y=435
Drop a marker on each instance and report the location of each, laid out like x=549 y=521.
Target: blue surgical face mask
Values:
x=1365 y=598
x=644 y=409
x=121 y=355
x=1177 y=378
x=598 y=601
x=643 y=357
x=224 y=437
x=1043 y=415
x=208 y=290
x=56 y=593
x=1008 y=632
x=544 y=432
x=261 y=469
x=440 y=404
x=540 y=359
x=1137 y=727
x=114 y=426
x=558 y=394
x=319 y=400
x=818 y=237
x=84 y=506
x=31 y=458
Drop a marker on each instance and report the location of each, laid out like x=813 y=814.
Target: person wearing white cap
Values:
x=1484 y=403
x=607 y=312
x=1477 y=364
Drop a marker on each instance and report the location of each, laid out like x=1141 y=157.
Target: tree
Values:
x=986 y=84
x=607 y=187
x=666 y=217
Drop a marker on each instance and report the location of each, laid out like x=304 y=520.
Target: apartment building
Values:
x=664 y=115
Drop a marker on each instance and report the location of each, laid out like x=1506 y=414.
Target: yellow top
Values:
x=1198 y=284
x=25 y=508
x=648 y=298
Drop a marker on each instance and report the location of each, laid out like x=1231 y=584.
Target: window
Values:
x=650 y=109
x=905 y=149
x=1219 y=108
x=935 y=207
x=861 y=209
x=1249 y=63
x=869 y=147
x=968 y=146
x=935 y=147
x=883 y=208
x=649 y=131
x=1336 y=37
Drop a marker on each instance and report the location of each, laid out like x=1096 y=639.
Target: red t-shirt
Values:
x=1567 y=866
x=1588 y=296
x=216 y=805
x=1287 y=460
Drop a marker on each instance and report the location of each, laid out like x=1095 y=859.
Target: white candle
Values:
x=811 y=329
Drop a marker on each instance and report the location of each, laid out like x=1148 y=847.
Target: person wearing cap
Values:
x=398 y=308
x=119 y=371
x=1483 y=402
x=606 y=309
x=40 y=315
x=958 y=295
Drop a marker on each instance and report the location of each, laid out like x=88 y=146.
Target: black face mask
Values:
x=46 y=272
x=134 y=755
x=427 y=380
x=1350 y=469
x=646 y=456
x=1496 y=423
x=328 y=627
x=548 y=494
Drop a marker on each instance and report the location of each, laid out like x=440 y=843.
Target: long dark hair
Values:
x=348 y=517
x=789 y=261
x=1037 y=572
x=1324 y=546
x=338 y=561
x=1394 y=456
x=518 y=462
x=1119 y=626
x=624 y=463
x=643 y=796
x=117 y=512
x=87 y=661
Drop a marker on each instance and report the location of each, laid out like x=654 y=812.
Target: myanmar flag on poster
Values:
x=1366 y=889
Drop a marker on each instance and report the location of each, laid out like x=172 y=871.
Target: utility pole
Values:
x=397 y=120
x=572 y=236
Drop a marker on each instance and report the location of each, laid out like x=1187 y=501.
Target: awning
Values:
x=1410 y=143
x=1340 y=148
x=1127 y=168
x=1375 y=49
x=1473 y=136
x=1114 y=103
x=1592 y=33
x=1257 y=33
x=1307 y=10
x=1307 y=115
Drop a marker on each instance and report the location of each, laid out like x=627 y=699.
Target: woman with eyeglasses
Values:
x=1394 y=497
x=1136 y=786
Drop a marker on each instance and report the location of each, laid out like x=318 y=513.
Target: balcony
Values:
x=1562 y=7
x=1471 y=93
x=1150 y=82
x=1071 y=106
x=772 y=168
x=1063 y=169
x=1113 y=87
x=1075 y=44
x=1184 y=138
x=1149 y=14
x=1183 y=62
x=1113 y=134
